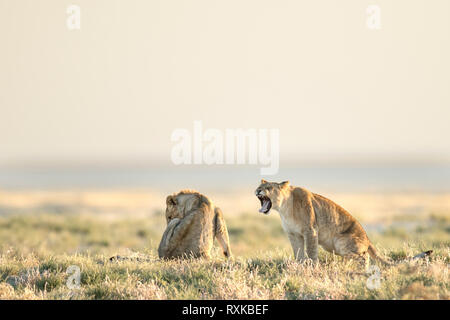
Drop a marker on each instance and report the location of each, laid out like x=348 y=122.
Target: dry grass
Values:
x=39 y=242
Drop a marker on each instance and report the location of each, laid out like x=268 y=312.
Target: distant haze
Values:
x=116 y=89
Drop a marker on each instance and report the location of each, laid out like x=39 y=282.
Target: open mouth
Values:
x=266 y=204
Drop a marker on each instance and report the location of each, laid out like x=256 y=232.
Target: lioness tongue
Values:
x=265 y=206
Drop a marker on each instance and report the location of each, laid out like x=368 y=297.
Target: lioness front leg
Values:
x=298 y=245
x=312 y=244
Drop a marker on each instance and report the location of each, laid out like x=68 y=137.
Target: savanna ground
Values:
x=42 y=234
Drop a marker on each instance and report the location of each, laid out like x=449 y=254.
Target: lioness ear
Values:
x=171 y=200
x=263 y=181
x=284 y=184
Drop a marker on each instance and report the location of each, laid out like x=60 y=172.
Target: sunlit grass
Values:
x=37 y=249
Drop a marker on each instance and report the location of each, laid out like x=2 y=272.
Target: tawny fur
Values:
x=192 y=224
x=311 y=220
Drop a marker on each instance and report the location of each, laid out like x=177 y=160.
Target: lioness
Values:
x=192 y=224
x=311 y=219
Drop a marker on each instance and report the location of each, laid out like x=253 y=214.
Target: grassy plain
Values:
x=42 y=235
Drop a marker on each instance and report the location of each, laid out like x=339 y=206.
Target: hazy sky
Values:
x=136 y=70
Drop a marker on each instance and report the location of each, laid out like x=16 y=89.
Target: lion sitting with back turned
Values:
x=192 y=224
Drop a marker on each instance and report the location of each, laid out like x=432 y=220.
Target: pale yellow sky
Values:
x=137 y=70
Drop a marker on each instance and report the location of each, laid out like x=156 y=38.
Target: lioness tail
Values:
x=373 y=253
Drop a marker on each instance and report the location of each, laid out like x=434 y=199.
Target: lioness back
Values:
x=191 y=226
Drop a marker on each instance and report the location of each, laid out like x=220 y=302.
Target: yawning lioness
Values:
x=310 y=219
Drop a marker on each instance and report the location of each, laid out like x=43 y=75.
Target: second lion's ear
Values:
x=263 y=181
x=171 y=200
x=284 y=184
